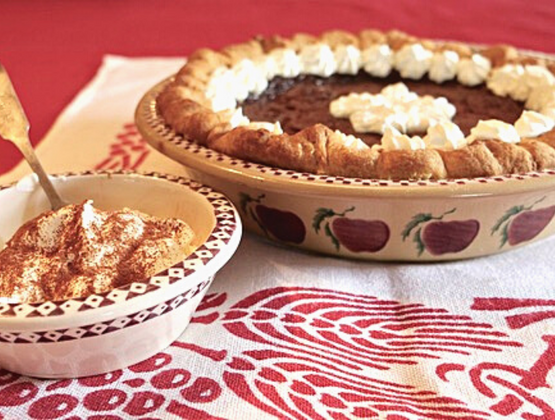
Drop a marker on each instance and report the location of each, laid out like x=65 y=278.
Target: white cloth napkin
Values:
x=288 y=334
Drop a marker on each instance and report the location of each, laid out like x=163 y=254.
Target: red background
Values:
x=52 y=48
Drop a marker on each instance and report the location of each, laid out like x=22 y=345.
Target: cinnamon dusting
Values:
x=79 y=250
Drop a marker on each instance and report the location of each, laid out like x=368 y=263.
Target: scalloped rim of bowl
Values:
x=185 y=151
x=202 y=262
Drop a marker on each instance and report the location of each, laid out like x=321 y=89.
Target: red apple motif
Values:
x=440 y=237
x=521 y=223
x=444 y=237
x=279 y=224
x=283 y=225
x=357 y=235
x=529 y=224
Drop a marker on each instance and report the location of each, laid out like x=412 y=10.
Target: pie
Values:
x=369 y=105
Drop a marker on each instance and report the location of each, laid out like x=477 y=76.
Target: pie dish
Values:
x=209 y=99
x=108 y=331
x=369 y=218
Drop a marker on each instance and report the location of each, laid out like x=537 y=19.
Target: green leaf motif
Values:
x=321 y=214
x=244 y=200
x=513 y=211
x=420 y=247
x=416 y=220
x=330 y=234
x=504 y=235
x=453 y=210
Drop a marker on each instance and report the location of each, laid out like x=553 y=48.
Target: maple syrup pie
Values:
x=370 y=105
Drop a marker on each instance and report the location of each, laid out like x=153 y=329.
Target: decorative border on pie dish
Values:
x=220 y=236
x=106 y=327
x=147 y=114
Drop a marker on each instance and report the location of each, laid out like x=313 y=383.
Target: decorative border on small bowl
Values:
x=148 y=111
x=226 y=224
x=106 y=327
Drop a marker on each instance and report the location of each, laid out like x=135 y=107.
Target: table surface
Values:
x=52 y=48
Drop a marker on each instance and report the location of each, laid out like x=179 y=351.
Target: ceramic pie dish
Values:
x=108 y=331
x=410 y=197
x=368 y=218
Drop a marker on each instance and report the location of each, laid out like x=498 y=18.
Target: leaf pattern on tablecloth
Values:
x=210 y=301
x=328 y=354
x=519 y=390
x=523 y=312
x=308 y=353
x=128 y=151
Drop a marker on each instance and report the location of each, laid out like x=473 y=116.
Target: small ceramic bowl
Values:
x=368 y=218
x=104 y=332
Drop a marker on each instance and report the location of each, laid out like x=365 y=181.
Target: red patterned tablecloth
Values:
x=283 y=334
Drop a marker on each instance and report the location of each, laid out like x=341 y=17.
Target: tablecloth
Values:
x=291 y=335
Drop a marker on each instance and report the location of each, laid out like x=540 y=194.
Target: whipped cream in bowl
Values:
x=119 y=222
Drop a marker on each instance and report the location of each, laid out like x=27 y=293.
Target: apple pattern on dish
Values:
x=356 y=235
x=282 y=225
x=522 y=223
x=439 y=237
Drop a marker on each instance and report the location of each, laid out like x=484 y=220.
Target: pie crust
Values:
x=318 y=149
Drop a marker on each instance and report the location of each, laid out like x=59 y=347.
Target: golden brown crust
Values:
x=317 y=149
x=404 y=164
x=186 y=115
x=296 y=152
x=336 y=38
x=349 y=162
x=196 y=71
x=464 y=51
x=397 y=39
x=548 y=138
x=499 y=54
x=524 y=61
x=475 y=160
x=298 y=41
x=213 y=58
x=543 y=154
x=512 y=159
x=369 y=37
x=238 y=52
x=271 y=43
x=175 y=95
x=194 y=86
x=200 y=124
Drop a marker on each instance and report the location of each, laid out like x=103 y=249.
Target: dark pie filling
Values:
x=303 y=101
